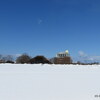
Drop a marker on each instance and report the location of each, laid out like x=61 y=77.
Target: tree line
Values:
x=24 y=58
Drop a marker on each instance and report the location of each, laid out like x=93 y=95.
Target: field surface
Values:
x=49 y=82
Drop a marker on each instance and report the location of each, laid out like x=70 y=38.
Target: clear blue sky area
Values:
x=46 y=27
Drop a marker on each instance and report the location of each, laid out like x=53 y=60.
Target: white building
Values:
x=63 y=54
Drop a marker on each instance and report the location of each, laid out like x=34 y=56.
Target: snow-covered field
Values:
x=49 y=82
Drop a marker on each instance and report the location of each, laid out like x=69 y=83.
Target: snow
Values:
x=49 y=82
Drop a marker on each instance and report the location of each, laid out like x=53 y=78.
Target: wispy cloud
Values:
x=40 y=21
x=17 y=55
x=87 y=58
x=82 y=54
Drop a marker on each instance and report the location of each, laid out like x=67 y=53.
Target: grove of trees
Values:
x=6 y=59
x=24 y=58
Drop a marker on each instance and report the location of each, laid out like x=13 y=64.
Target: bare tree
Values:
x=7 y=58
x=0 y=57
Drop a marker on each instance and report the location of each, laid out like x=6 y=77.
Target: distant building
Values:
x=63 y=54
x=62 y=58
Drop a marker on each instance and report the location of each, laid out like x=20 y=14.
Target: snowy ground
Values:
x=49 y=82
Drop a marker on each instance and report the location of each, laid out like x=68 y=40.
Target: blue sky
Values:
x=46 y=27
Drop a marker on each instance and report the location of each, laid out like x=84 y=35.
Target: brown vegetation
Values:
x=24 y=58
x=39 y=59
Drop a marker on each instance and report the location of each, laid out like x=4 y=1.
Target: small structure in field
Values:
x=62 y=58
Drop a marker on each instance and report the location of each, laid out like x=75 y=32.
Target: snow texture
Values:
x=49 y=82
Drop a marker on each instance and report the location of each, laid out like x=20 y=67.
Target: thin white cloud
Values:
x=40 y=21
x=82 y=54
x=94 y=58
x=87 y=58
x=17 y=55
